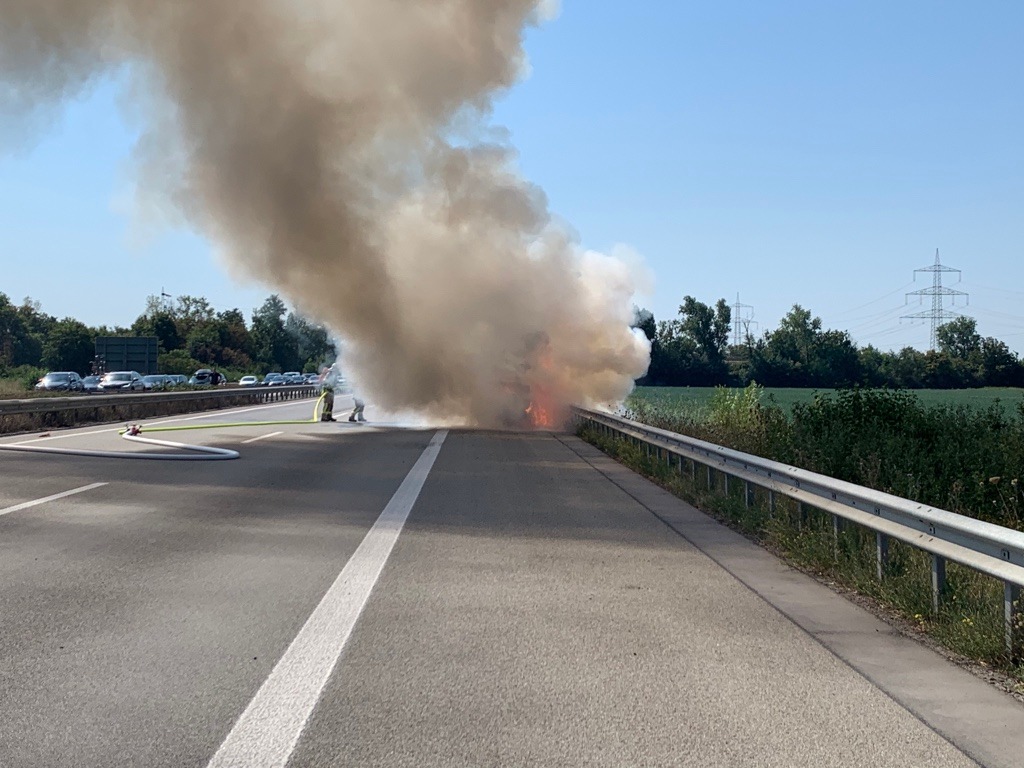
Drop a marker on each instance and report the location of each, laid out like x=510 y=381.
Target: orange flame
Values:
x=541 y=410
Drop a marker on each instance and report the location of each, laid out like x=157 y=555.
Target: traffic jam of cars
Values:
x=133 y=381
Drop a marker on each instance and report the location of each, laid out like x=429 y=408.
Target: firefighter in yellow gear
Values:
x=327 y=386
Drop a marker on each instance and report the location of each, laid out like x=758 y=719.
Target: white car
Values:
x=248 y=381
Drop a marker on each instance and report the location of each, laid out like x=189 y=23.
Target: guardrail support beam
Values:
x=711 y=478
x=881 y=554
x=727 y=478
x=1012 y=619
x=938 y=582
x=748 y=494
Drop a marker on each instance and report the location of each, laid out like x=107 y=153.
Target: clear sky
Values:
x=793 y=151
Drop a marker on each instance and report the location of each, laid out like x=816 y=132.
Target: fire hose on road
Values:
x=133 y=434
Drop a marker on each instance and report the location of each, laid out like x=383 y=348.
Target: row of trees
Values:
x=191 y=334
x=693 y=350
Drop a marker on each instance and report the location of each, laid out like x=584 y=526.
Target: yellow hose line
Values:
x=187 y=427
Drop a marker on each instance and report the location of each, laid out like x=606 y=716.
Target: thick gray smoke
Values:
x=337 y=150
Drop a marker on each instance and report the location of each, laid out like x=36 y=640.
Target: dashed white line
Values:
x=269 y=728
x=54 y=497
x=261 y=437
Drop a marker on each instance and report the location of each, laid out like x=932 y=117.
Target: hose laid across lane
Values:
x=198 y=452
x=195 y=452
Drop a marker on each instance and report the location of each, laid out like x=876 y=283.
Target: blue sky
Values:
x=789 y=151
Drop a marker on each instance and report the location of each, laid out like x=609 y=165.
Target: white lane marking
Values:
x=206 y=415
x=37 y=502
x=269 y=728
x=261 y=437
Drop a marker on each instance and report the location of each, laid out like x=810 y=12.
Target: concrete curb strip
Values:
x=983 y=722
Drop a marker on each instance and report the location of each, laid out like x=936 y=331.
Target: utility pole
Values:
x=938 y=314
x=165 y=298
x=740 y=321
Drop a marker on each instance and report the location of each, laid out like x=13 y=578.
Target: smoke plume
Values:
x=339 y=151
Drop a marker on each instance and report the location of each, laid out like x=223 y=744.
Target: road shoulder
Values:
x=983 y=722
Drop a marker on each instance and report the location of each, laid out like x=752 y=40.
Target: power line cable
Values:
x=873 y=301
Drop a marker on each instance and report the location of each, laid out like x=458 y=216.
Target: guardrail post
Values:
x=727 y=477
x=1012 y=618
x=748 y=494
x=881 y=554
x=801 y=515
x=693 y=471
x=711 y=478
x=771 y=502
x=837 y=528
x=938 y=581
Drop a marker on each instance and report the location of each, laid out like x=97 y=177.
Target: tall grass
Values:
x=967 y=459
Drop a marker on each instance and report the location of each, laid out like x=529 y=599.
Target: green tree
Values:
x=69 y=346
x=162 y=325
x=17 y=344
x=37 y=322
x=960 y=339
x=708 y=329
x=203 y=344
x=191 y=311
x=800 y=354
x=313 y=345
x=178 y=361
x=273 y=346
x=234 y=333
x=999 y=366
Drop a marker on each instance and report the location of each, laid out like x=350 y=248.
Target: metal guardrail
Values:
x=233 y=396
x=946 y=536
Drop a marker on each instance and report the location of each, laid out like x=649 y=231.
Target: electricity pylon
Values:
x=938 y=314
x=740 y=321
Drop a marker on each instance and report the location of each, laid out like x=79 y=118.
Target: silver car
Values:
x=122 y=381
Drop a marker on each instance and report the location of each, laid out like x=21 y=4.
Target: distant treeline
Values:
x=191 y=335
x=694 y=350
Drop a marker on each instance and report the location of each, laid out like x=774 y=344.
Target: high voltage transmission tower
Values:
x=741 y=321
x=938 y=314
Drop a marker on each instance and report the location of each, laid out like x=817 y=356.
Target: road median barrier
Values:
x=27 y=415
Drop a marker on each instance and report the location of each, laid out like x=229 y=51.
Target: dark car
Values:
x=272 y=380
x=91 y=384
x=122 y=381
x=61 y=381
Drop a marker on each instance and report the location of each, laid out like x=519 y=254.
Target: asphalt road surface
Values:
x=387 y=595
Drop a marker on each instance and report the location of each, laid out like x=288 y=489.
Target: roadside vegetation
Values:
x=963 y=458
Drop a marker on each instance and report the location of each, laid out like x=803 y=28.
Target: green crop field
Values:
x=687 y=398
